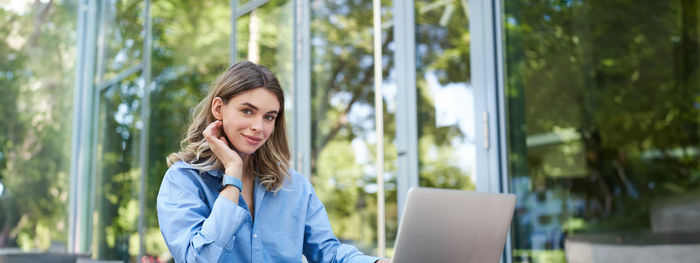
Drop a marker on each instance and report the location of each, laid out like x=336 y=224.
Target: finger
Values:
x=215 y=142
x=209 y=130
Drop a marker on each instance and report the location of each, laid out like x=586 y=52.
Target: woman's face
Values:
x=248 y=119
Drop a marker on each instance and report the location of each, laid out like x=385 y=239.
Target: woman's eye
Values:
x=270 y=117
x=247 y=112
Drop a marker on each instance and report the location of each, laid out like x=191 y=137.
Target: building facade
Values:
x=588 y=111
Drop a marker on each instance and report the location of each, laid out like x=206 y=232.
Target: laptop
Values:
x=440 y=225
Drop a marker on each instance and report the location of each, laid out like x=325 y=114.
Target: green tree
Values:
x=182 y=72
x=36 y=76
x=621 y=76
x=343 y=101
x=442 y=51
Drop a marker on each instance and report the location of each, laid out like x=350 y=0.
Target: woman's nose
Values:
x=256 y=125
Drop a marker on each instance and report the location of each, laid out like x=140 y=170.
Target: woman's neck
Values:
x=245 y=173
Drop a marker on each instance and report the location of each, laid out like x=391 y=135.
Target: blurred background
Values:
x=589 y=111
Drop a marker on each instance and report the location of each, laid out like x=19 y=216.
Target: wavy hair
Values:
x=270 y=163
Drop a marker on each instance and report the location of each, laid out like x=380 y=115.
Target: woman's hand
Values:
x=233 y=164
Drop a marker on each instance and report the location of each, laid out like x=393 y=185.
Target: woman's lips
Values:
x=252 y=139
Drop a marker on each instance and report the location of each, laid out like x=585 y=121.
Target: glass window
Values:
x=37 y=74
x=445 y=101
x=117 y=184
x=265 y=36
x=389 y=93
x=242 y=2
x=343 y=128
x=181 y=72
x=123 y=34
x=603 y=110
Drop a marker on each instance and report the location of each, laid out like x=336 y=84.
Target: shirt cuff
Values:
x=225 y=220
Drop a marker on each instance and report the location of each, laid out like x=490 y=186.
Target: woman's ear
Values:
x=217 y=108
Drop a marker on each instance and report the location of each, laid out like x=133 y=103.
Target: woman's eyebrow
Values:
x=256 y=108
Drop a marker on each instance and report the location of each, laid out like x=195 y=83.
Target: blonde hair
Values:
x=270 y=163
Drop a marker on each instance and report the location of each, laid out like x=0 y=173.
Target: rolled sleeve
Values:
x=192 y=231
x=348 y=253
x=320 y=244
x=224 y=212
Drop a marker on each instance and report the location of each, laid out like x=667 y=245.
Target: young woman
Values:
x=229 y=195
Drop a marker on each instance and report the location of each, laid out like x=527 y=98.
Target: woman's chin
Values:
x=243 y=151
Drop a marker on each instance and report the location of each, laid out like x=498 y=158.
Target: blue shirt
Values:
x=200 y=226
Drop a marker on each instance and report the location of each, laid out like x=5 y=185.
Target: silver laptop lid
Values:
x=440 y=225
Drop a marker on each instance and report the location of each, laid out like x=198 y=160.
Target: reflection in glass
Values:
x=343 y=132
x=117 y=183
x=182 y=72
x=445 y=98
x=265 y=36
x=603 y=124
x=122 y=42
x=37 y=69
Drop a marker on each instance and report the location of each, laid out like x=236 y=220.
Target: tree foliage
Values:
x=190 y=46
x=622 y=78
x=36 y=82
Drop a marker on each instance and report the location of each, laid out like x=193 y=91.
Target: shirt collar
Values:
x=216 y=173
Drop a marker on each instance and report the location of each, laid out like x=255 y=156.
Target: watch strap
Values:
x=230 y=180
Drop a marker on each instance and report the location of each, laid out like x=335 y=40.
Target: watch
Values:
x=230 y=180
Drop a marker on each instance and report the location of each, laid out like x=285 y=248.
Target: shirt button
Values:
x=255 y=235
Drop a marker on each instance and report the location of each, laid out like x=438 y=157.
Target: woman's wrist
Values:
x=230 y=192
x=235 y=172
